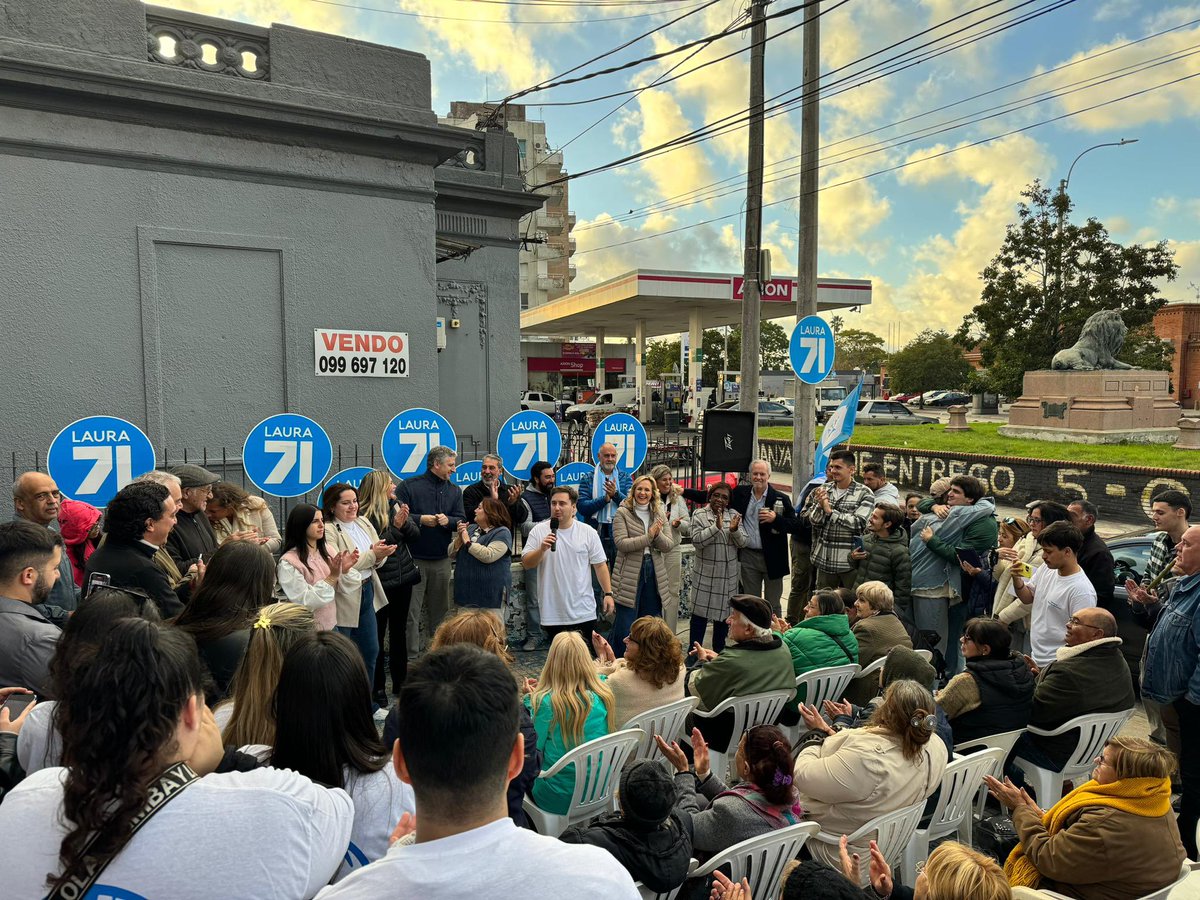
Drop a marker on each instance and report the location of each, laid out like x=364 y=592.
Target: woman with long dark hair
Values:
x=238 y=516
x=140 y=746
x=325 y=731
x=307 y=572
x=238 y=583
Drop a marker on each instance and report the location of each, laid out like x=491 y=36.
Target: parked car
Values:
x=949 y=398
x=612 y=400
x=1130 y=556
x=770 y=413
x=888 y=412
x=929 y=396
x=789 y=402
x=539 y=402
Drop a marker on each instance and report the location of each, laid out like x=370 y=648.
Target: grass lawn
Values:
x=982 y=438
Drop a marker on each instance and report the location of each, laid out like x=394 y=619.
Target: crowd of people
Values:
x=177 y=658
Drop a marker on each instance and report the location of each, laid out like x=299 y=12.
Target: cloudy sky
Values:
x=921 y=166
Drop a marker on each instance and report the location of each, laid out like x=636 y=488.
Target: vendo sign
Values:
x=777 y=290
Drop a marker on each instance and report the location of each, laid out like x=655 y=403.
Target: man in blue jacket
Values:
x=599 y=497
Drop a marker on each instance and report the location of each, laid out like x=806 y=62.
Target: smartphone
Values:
x=1023 y=569
x=97 y=580
x=857 y=544
x=17 y=703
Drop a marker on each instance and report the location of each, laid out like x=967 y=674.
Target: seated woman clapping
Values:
x=1112 y=837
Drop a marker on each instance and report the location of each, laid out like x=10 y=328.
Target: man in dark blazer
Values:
x=768 y=517
x=137 y=522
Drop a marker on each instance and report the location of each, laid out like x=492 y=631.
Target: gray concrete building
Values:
x=185 y=200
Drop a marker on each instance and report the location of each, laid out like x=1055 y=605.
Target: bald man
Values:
x=36 y=499
x=1088 y=675
x=599 y=497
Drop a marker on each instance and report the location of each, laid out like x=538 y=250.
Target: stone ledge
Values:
x=1073 y=436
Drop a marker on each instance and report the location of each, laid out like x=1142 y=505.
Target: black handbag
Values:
x=996 y=836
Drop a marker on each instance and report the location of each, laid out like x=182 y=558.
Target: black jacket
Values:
x=399 y=569
x=474 y=494
x=192 y=535
x=537 y=503
x=658 y=859
x=130 y=564
x=10 y=770
x=428 y=495
x=1097 y=564
x=774 y=536
x=1093 y=680
x=1006 y=698
x=222 y=657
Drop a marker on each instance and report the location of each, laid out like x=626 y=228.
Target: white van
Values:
x=612 y=400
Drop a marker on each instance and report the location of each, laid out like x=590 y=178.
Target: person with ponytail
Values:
x=763 y=799
x=857 y=774
x=248 y=716
x=137 y=808
x=324 y=731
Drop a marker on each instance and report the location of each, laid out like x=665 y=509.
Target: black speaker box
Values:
x=728 y=440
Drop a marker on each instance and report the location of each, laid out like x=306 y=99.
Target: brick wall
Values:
x=1179 y=323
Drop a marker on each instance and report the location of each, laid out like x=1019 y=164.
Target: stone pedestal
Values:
x=1107 y=406
x=958 y=419
x=1189 y=434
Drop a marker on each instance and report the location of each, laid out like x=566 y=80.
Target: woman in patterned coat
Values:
x=716 y=534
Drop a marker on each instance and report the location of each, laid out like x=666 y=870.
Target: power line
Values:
x=904 y=165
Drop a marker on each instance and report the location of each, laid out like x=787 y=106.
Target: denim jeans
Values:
x=366 y=635
x=648 y=602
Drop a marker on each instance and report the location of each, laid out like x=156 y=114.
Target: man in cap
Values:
x=193 y=540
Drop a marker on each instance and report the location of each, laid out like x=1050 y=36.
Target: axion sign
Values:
x=777 y=290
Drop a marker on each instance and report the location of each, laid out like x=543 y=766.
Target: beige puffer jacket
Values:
x=632 y=539
x=1006 y=606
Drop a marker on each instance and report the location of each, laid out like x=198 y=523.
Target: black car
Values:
x=1130 y=556
x=951 y=398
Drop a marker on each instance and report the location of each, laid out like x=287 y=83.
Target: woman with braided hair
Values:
x=139 y=782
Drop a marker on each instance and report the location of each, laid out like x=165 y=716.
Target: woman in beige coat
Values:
x=639 y=577
x=358 y=594
x=238 y=516
x=679 y=524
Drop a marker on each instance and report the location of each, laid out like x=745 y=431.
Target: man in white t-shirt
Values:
x=458 y=744
x=1057 y=590
x=562 y=556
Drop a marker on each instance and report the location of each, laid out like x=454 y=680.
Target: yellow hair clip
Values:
x=264 y=621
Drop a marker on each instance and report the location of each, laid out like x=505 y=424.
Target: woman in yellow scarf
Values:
x=1112 y=838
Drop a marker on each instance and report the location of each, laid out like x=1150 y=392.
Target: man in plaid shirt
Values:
x=838 y=511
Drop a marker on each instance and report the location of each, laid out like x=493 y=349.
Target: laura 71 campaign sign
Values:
x=811 y=350
x=526 y=438
x=468 y=474
x=573 y=474
x=287 y=455
x=352 y=476
x=625 y=433
x=93 y=458
x=410 y=436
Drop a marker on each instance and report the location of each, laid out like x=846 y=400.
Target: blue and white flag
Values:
x=838 y=429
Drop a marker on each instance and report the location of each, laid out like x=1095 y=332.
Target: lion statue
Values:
x=1098 y=345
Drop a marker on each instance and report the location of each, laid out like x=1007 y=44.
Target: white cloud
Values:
x=314 y=16
x=1111 y=10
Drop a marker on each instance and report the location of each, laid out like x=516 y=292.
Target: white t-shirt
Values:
x=269 y=834
x=565 y=576
x=380 y=799
x=1055 y=599
x=496 y=860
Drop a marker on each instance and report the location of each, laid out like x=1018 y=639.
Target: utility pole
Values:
x=751 y=289
x=804 y=434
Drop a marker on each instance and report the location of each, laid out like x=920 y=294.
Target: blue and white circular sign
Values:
x=93 y=458
x=287 y=455
x=526 y=438
x=410 y=436
x=811 y=350
x=574 y=474
x=352 y=476
x=468 y=474
x=625 y=433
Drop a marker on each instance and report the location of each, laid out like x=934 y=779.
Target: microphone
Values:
x=553 y=528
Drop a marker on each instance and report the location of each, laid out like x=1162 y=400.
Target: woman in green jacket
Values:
x=822 y=639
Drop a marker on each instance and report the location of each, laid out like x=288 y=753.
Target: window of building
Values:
x=524 y=300
x=521 y=152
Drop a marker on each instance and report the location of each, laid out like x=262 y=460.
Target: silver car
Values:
x=888 y=412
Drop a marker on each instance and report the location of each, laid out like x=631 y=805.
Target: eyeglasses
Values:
x=1009 y=520
x=1080 y=624
x=47 y=495
x=1101 y=761
x=1035 y=520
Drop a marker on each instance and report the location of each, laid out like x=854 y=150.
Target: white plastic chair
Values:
x=1005 y=741
x=872 y=668
x=955 y=807
x=1094 y=732
x=597 y=773
x=1187 y=869
x=892 y=831
x=819 y=685
x=926 y=655
x=761 y=860
x=666 y=720
x=648 y=894
x=748 y=711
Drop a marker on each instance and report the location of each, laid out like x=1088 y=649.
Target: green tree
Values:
x=857 y=349
x=1146 y=350
x=930 y=361
x=1045 y=282
x=661 y=356
x=836 y=324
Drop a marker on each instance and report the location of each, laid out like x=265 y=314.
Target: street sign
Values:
x=93 y=458
x=287 y=455
x=625 y=433
x=352 y=476
x=811 y=350
x=526 y=438
x=574 y=474
x=468 y=474
x=410 y=436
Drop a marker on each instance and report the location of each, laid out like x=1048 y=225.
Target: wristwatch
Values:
x=607 y=594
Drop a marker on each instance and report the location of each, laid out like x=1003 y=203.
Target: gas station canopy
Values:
x=664 y=302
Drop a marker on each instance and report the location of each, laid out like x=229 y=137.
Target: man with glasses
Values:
x=1088 y=675
x=193 y=540
x=36 y=499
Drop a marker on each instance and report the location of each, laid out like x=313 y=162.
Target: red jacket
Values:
x=75 y=521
